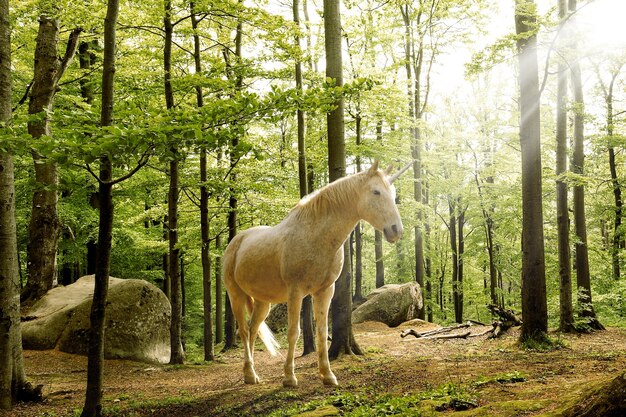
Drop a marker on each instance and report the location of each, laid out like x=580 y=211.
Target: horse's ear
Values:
x=374 y=168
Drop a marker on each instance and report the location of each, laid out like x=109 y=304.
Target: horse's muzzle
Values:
x=393 y=233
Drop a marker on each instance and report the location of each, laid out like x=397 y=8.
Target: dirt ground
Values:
x=393 y=365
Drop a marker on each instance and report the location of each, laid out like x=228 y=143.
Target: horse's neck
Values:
x=334 y=225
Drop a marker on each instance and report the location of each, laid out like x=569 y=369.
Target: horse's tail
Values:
x=268 y=339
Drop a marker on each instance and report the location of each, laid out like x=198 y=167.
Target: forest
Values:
x=138 y=138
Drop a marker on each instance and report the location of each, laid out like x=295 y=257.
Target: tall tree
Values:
x=566 y=322
x=583 y=278
x=177 y=355
x=95 y=355
x=618 y=241
x=44 y=228
x=205 y=244
x=308 y=335
x=414 y=60
x=236 y=75
x=534 y=302
x=12 y=375
x=341 y=306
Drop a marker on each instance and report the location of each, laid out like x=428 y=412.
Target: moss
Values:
x=327 y=410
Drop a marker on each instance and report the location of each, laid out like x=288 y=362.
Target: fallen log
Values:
x=449 y=336
x=412 y=332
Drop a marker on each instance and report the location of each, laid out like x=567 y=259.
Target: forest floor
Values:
x=403 y=376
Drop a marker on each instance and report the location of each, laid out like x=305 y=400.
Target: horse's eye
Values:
x=376 y=192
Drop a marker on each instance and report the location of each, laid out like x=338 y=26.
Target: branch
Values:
x=142 y=161
x=70 y=51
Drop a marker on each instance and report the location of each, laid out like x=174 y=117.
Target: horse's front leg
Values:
x=294 y=303
x=321 y=302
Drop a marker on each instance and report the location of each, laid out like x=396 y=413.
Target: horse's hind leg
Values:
x=239 y=302
x=294 y=304
x=321 y=302
x=259 y=314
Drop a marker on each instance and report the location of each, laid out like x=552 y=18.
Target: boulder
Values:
x=277 y=318
x=391 y=304
x=137 y=320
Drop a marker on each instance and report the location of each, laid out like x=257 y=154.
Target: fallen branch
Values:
x=405 y=333
x=449 y=336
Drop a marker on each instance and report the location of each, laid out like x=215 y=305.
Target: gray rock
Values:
x=392 y=304
x=137 y=320
x=277 y=318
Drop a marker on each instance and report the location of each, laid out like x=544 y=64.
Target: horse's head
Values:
x=377 y=203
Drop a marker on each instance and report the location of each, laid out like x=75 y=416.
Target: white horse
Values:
x=303 y=255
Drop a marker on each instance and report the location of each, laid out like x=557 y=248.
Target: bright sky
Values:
x=603 y=23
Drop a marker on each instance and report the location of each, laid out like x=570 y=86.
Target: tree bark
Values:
x=12 y=375
x=44 y=227
x=205 y=244
x=534 y=304
x=583 y=278
x=413 y=71
x=306 y=314
x=566 y=322
x=618 y=235
x=378 y=236
x=95 y=359
x=341 y=306
x=177 y=355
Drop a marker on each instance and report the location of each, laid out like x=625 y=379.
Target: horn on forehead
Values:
x=389 y=170
x=397 y=174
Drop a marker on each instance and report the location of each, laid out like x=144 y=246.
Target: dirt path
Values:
x=393 y=366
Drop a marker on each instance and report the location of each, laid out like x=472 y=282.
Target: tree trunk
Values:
x=618 y=234
x=230 y=324
x=45 y=228
x=378 y=236
x=583 y=278
x=95 y=358
x=306 y=314
x=461 y=251
x=12 y=376
x=219 y=293
x=205 y=245
x=177 y=355
x=534 y=304
x=413 y=68
x=566 y=322
x=341 y=305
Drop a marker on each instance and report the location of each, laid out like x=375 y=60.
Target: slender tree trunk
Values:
x=378 y=236
x=45 y=228
x=461 y=250
x=618 y=234
x=452 y=230
x=534 y=303
x=583 y=278
x=562 y=210
x=306 y=314
x=412 y=74
x=177 y=355
x=230 y=324
x=95 y=361
x=341 y=307
x=219 y=293
x=205 y=248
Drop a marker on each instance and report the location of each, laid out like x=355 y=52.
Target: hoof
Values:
x=251 y=379
x=290 y=382
x=330 y=381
